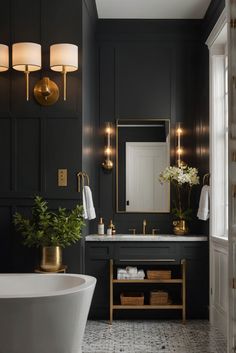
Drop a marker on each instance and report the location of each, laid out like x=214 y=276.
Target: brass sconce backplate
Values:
x=46 y=92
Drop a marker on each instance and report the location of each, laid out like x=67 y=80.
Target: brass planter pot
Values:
x=180 y=227
x=51 y=260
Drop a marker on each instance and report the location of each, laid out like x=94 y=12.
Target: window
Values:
x=219 y=139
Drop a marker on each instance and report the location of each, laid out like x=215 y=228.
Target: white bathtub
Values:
x=44 y=313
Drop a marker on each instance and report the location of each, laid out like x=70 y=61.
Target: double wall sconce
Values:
x=27 y=57
x=108 y=164
x=179 y=149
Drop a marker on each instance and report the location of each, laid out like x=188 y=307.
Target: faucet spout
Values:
x=144 y=226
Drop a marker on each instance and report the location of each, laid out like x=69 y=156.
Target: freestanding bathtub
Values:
x=44 y=313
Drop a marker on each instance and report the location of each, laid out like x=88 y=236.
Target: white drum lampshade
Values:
x=4 y=57
x=26 y=57
x=64 y=58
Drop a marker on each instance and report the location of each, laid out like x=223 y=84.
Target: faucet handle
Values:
x=133 y=230
x=154 y=231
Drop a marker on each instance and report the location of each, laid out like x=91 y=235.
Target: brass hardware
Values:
x=234 y=191
x=234 y=156
x=64 y=83
x=234 y=283
x=108 y=164
x=144 y=226
x=206 y=179
x=233 y=23
x=27 y=82
x=62 y=177
x=51 y=258
x=46 y=92
x=154 y=231
x=81 y=176
x=133 y=230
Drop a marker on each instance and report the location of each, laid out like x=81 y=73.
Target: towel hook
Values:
x=82 y=176
x=206 y=179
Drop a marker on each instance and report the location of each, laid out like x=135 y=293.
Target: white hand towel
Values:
x=85 y=214
x=203 y=210
x=89 y=203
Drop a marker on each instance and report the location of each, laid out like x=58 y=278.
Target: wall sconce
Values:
x=108 y=164
x=4 y=57
x=64 y=59
x=179 y=150
x=26 y=57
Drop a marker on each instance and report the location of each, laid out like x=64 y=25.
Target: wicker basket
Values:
x=132 y=298
x=158 y=297
x=158 y=274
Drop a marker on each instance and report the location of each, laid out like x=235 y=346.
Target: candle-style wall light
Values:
x=179 y=149
x=108 y=164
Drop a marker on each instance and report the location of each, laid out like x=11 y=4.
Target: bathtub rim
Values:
x=89 y=282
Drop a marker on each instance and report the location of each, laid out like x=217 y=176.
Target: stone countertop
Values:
x=148 y=237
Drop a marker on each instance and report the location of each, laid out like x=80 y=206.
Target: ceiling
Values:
x=152 y=9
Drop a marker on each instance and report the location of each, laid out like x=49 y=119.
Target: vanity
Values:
x=149 y=251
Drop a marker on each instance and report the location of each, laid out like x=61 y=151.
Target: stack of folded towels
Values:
x=130 y=273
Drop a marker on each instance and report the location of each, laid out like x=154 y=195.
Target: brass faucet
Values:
x=144 y=226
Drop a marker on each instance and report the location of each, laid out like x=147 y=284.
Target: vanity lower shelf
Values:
x=180 y=281
x=144 y=307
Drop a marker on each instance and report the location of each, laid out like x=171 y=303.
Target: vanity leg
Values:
x=111 y=291
x=183 y=265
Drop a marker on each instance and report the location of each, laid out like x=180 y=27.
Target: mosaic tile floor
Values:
x=152 y=337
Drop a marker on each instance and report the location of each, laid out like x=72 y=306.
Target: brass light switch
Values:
x=62 y=177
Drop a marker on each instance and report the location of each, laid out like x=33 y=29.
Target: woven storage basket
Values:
x=158 y=297
x=132 y=298
x=158 y=274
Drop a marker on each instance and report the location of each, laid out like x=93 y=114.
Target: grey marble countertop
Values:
x=148 y=237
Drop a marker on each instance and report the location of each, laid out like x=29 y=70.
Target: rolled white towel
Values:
x=131 y=270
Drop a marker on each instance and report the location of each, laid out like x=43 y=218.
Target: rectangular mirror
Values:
x=142 y=152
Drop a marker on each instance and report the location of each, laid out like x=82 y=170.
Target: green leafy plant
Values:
x=47 y=228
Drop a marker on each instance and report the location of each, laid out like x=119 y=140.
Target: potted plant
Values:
x=183 y=178
x=50 y=231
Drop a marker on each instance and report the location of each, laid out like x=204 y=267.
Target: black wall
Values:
x=156 y=69
x=35 y=141
x=146 y=69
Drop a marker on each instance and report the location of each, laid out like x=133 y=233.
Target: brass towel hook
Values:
x=82 y=176
x=206 y=179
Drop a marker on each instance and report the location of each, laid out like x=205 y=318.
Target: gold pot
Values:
x=180 y=227
x=51 y=260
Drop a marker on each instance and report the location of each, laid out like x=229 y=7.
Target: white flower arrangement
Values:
x=183 y=178
x=180 y=175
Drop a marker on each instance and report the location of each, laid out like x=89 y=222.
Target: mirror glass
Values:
x=142 y=152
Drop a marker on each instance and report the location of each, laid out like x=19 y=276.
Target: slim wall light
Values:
x=108 y=164
x=179 y=149
x=4 y=57
x=26 y=57
x=64 y=59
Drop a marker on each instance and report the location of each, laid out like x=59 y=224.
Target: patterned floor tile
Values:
x=152 y=337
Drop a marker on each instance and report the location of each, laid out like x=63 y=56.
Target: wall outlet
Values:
x=62 y=177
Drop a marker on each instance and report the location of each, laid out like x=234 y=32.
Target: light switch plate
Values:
x=62 y=177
